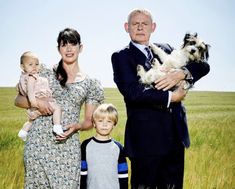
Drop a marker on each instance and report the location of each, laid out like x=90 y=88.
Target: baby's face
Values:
x=31 y=65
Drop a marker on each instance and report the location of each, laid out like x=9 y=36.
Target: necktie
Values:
x=149 y=58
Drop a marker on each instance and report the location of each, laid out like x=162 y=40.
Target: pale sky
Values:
x=34 y=25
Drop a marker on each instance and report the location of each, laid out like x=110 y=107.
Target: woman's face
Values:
x=69 y=52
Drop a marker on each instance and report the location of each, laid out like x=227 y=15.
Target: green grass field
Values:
x=210 y=161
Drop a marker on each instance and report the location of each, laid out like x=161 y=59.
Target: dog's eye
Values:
x=192 y=42
x=200 y=48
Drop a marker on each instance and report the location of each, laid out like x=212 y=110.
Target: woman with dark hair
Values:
x=53 y=161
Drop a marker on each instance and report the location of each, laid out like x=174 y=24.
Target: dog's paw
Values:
x=140 y=70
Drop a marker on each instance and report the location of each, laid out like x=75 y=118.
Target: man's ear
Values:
x=126 y=26
x=154 y=26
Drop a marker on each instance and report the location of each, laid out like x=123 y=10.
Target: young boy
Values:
x=104 y=164
x=33 y=86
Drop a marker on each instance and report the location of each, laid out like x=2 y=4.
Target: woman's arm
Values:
x=87 y=122
x=44 y=106
x=22 y=102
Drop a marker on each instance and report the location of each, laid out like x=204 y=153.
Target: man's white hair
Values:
x=139 y=11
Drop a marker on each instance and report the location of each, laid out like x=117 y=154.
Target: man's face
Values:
x=140 y=28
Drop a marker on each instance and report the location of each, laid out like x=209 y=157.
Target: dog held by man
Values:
x=193 y=49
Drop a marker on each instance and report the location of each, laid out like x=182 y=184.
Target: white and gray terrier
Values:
x=193 y=49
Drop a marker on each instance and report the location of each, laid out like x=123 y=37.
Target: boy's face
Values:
x=103 y=125
x=30 y=65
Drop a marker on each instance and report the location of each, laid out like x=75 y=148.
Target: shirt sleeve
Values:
x=84 y=167
x=122 y=168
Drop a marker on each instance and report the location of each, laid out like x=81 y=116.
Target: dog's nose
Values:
x=193 y=51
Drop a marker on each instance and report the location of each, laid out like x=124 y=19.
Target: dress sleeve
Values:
x=51 y=77
x=46 y=72
x=95 y=92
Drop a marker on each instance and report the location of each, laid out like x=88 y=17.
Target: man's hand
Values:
x=170 y=80
x=179 y=94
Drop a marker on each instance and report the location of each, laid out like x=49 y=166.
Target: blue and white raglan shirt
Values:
x=103 y=165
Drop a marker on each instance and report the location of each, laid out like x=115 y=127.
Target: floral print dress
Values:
x=53 y=164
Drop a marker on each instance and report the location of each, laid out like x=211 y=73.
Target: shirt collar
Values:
x=140 y=47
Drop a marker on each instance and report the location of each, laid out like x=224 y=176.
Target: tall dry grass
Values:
x=210 y=161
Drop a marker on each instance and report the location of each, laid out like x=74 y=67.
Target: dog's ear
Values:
x=207 y=51
x=195 y=34
x=186 y=39
x=187 y=36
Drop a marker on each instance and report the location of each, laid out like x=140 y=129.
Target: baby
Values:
x=33 y=86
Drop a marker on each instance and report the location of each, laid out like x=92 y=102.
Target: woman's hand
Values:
x=44 y=106
x=71 y=129
x=82 y=126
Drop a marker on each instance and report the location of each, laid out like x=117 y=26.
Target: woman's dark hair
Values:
x=68 y=35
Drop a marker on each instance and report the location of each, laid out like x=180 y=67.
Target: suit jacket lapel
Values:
x=137 y=55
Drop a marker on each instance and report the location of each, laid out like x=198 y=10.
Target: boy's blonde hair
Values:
x=106 y=110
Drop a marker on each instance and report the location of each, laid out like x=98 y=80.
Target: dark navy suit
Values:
x=152 y=128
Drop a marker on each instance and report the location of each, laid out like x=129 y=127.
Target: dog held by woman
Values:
x=193 y=49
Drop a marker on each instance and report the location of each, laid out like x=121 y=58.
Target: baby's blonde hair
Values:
x=107 y=110
x=28 y=54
